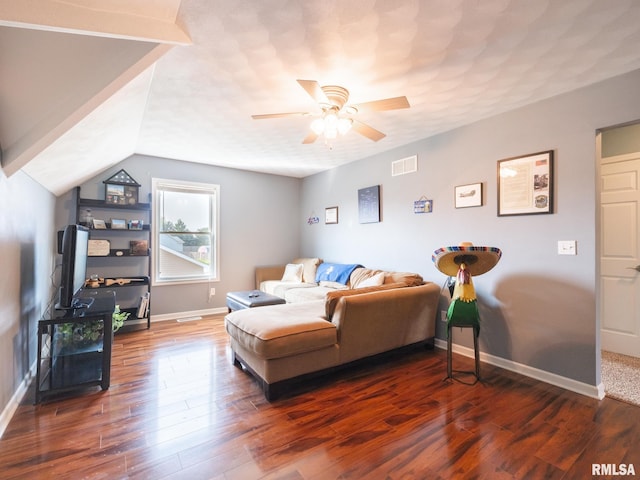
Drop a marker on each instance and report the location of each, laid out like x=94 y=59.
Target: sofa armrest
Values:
x=268 y=272
x=376 y=322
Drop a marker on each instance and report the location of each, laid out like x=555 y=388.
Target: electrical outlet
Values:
x=443 y=315
x=212 y=292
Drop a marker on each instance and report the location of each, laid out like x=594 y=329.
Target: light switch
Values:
x=566 y=247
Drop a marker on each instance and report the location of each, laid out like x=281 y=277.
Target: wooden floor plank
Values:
x=177 y=408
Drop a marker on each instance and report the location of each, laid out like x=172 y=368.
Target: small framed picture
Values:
x=139 y=247
x=468 y=195
x=136 y=224
x=118 y=224
x=423 y=206
x=99 y=224
x=331 y=215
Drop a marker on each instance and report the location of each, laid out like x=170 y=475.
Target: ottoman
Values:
x=250 y=299
x=280 y=343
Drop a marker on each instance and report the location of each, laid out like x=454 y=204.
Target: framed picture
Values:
x=525 y=184
x=99 y=224
x=423 y=206
x=468 y=195
x=118 y=224
x=331 y=215
x=136 y=224
x=120 y=194
x=98 y=248
x=121 y=189
x=369 y=204
x=139 y=247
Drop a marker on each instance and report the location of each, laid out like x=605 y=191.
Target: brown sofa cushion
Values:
x=408 y=279
x=333 y=297
x=310 y=266
x=278 y=332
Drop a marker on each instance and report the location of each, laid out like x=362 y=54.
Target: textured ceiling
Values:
x=455 y=61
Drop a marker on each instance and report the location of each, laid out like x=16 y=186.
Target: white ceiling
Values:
x=197 y=70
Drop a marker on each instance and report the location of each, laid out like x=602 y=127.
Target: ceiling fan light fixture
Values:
x=344 y=125
x=331 y=133
x=330 y=120
x=317 y=126
x=336 y=113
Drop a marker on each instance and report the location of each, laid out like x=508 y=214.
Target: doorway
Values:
x=618 y=157
x=619 y=239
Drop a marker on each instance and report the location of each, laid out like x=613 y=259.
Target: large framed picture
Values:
x=369 y=204
x=525 y=184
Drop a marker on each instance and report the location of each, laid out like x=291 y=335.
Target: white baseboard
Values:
x=542 y=375
x=192 y=313
x=14 y=402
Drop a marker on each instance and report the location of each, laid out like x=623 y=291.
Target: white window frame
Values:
x=161 y=184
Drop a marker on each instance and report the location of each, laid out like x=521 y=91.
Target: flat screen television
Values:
x=75 y=243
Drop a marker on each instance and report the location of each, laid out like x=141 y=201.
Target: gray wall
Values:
x=259 y=224
x=537 y=308
x=27 y=243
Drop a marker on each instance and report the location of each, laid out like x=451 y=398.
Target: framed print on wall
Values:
x=468 y=195
x=525 y=184
x=369 y=204
x=331 y=215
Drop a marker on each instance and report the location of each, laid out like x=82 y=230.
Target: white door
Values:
x=620 y=254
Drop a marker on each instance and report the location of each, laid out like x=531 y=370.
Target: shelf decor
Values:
x=136 y=224
x=99 y=248
x=99 y=224
x=121 y=189
x=525 y=184
x=468 y=195
x=125 y=249
x=118 y=224
x=139 y=247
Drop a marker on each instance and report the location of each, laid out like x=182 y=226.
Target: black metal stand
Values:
x=450 y=370
x=69 y=360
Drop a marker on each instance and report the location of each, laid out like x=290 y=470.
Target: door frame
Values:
x=598 y=245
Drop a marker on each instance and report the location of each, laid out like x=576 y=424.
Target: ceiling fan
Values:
x=337 y=115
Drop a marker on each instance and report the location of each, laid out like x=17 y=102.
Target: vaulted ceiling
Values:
x=85 y=84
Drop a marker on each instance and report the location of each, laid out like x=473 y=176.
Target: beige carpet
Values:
x=621 y=377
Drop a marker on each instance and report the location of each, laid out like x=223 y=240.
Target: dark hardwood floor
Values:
x=177 y=408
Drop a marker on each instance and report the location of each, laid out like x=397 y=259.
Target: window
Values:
x=185 y=231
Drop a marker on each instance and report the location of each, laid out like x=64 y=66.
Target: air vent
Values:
x=404 y=166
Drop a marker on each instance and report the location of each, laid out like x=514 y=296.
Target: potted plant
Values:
x=85 y=335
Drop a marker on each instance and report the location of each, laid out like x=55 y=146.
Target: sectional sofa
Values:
x=327 y=324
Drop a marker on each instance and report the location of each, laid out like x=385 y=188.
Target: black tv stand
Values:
x=76 y=304
x=74 y=348
x=81 y=303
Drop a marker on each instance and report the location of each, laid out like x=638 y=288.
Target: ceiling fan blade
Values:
x=381 y=105
x=310 y=138
x=315 y=91
x=367 y=131
x=279 y=115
